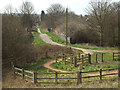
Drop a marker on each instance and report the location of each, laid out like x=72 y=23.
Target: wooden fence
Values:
x=34 y=75
x=116 y=56
x=70 y=58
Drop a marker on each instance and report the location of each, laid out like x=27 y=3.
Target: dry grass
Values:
x=40 y=52
x=10 y=82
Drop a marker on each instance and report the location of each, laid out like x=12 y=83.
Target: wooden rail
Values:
x=34 y=75
x=70 y=58
x=116 y=56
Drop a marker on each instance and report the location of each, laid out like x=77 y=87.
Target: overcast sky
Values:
x=78 y=6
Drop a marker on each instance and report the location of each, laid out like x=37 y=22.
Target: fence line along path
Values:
x=34 y=75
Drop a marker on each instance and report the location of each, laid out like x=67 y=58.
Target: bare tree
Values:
x=27 y=11
x=27 y=8
x=56 y=9
x=54 y=13
x=98 y=14
x=9 y=9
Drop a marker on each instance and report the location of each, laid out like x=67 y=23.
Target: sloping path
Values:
x=47 y=39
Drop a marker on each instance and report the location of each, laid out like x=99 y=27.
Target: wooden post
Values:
x=13 y=67
x=22 y=73
x=96 y=59
x=113 y=56
x=63 y=56
x=82 y=59
x=56 y=78
x=81 y=76
x=100 y=74
x=79 y=56
x=89 y=58
x=119 y=76
x=34 y=77
x=102 y=57
x=65 y=59
x=56 y=59
x=72 y=58
x=75 y=62
x=78 y=77
x=66 y=25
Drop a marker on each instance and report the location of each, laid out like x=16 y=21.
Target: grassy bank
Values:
x=37 y=40
x=57 y=39
x=37 y=66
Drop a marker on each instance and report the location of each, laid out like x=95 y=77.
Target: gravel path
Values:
x=47 y=39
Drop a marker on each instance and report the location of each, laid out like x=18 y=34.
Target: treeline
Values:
x=98 y=27
x=16 y=35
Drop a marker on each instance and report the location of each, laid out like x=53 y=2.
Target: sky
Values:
x=77 y=6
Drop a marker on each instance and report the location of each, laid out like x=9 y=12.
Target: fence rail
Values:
x=116 y=56
x=35 y=79
x=75 y=59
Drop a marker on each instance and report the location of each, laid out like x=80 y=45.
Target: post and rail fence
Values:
x=116 y=56
x=25 y=74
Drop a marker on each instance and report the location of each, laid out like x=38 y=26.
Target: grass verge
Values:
x=57 y=39
x=37 y=40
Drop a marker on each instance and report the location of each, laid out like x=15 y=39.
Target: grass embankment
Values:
x=54 y=37
x=57 y=39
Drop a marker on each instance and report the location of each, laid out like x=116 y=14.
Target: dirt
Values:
x=47 y=65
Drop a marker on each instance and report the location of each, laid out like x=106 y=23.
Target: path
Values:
x=47 y=65
x=47 y=39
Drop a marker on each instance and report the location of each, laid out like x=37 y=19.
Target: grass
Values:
x=57 y=39
x=37 y=40
x=107 y=64
x=37 y=66
x=54 y=37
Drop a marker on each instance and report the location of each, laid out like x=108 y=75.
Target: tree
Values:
x=9 y=9
x=15 y=40
x=42 y=15
x=98 y=14
x=54 y=13
x=27 y=11
x=56 y=9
